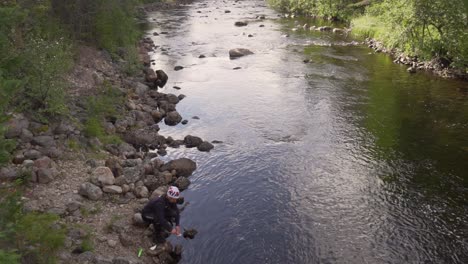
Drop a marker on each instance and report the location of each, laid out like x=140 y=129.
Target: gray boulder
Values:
x=239 y=52
x=192 y=141
x=112 y=189
x=183 y=166
x=162 y=78
x=8 y=174
x=102 y=176
x=46 y=175
x=90 y=191
x=132 y=174
x=172 y=118
x=141 y=192
x=182 y=183
x=137 y=220
x=159 y=191
x=32 y=154
x=205 y=146
x=172 y=98
x=44 y=141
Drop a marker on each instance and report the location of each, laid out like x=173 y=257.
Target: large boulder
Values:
x=162 y=78
x=44 y=141
x=115 y=166
x=132 y=174
x=46 y=175
x=150 y=75
x=172 y=118
x=102 y=176
x=144 y=137
x=192 y=141
x=205 y=146
x=172 y=98
x=112 y=189
x=90 y=191
x=182 y=183
x=183 y=166
x=239 y=52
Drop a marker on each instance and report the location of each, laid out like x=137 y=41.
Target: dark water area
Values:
x=344 y=159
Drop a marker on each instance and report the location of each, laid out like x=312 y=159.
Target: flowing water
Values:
x=345 y=159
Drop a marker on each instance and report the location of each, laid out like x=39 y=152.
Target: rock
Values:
x=26 y=136
x=182 y=183
x=137 y=220
x=132 y=174
x=8 y=174
x=250 y=36
x=159 y=191
x=111 y=243
x=150 y=75
x=121 y=260
x=205 y=146
x=32 y=154
x=141 y=192
x=125 y=240
x=261 y=25
x=184 y=122
x=162 y=78
x=192 y=141
x=57 y=211
x=178 y=68
x=216 y=141
x=125 y=188
x=152 y=182
x=86 y=257
x=181 y=96
x=172 y=118
x=15 y=126
x=325 y=28
x=202 y=56
x=132 y=162
x=157 y=115
x=73 y=206
x=155 y=34
x=44 y=141
x=190 y=233
x=183 y=166
x=195 y=117
x=18 y=159
x=90 y=191
x=102 y=176
x=43 y=163
x=141 y=88
x=144 y=137
x=114 y=165
x=240 y=24
x=172 y=98
x=46 y=175
x=411 y=70
x=338 y=30
x=239 y=52
x=227 y=11
x=167 y=176
x=112 y=189
x=101 y=260
x=176 y=87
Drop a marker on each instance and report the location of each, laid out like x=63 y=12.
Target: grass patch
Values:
x=109 y=227
x=369 y=27
x=27 y=234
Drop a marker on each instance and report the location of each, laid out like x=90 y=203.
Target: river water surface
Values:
x=345 y=159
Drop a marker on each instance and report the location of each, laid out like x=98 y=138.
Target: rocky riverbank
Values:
x=97 y=188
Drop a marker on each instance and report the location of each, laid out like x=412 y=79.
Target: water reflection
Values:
x=345 y=159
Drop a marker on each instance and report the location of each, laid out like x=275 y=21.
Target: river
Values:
x=344 y=159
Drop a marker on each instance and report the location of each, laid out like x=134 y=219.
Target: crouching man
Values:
x=162 y=212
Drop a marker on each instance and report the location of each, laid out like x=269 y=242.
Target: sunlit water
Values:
x=345 y=159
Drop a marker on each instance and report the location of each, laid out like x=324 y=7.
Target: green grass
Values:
x=368 y=26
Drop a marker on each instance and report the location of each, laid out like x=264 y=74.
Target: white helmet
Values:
x=173 y=192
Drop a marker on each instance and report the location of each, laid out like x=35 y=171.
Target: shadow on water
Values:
x=344 y=159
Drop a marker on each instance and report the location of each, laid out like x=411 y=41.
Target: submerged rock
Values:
x=239 y=52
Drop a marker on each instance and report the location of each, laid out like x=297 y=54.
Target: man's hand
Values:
x=176 y=231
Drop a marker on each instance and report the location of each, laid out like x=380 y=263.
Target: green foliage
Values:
x=29 y=233
x=423 y=28
x=336 y=9
x=104 y=105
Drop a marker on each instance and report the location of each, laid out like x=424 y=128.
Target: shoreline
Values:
x=98 y=189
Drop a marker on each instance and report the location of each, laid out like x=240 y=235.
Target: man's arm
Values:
x=161 y=218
